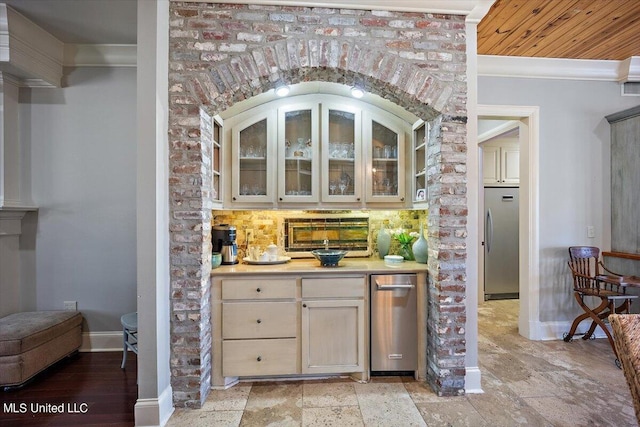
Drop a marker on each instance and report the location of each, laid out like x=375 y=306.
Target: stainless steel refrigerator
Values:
x=501 y=267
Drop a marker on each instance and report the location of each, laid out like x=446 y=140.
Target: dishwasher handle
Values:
x=384 y=287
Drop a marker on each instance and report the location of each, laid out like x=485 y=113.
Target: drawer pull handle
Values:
x=258 y=290
x=259 y=321
x=259 y=359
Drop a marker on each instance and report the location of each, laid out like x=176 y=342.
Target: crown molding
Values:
x=557 y=68
x=100 y=55
x=449 y=7
x=27 y=51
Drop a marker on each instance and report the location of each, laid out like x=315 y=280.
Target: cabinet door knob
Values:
x=233 y=198
x=280 y=199
x=258 y=290
x=402 y=199
x=259 y=320
x=358 y=199
x=304 y=305
x=259 y=358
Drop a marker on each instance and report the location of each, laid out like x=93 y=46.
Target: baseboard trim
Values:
x=154 y=412
x=549 y=331
x=472 y=380
x=101 y=341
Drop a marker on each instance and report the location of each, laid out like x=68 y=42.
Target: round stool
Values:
x=129 y=335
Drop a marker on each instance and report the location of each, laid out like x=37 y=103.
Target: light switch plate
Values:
x=591 y=231
x=71 y=305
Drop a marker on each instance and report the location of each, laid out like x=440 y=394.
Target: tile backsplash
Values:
x=264 y=224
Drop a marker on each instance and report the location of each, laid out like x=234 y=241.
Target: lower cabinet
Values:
x=292 y=325
x=332 y=336
x=333 y=325
x=259 y=357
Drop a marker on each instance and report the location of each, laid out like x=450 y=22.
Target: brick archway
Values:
x=221 y=54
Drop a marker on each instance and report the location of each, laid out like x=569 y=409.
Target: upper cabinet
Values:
x=501 y=163
x=385 y=155
x=316 y=150
x=253 y=154
x=298 y=153
x=211 y=134
x=420 y=144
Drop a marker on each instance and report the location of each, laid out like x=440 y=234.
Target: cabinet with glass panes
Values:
x=317 y=151
x=420 y=144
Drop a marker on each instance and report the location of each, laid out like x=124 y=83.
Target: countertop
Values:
x=306 y=266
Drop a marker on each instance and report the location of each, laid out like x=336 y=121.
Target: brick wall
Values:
x=221 y=54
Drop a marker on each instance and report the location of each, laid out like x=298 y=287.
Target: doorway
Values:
x=500 y=163
x=527 y=119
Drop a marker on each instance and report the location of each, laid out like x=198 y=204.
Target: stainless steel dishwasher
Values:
x=394 y=328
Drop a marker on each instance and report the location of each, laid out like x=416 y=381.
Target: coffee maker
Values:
x=223 y=240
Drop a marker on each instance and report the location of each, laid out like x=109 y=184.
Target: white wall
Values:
x=574 y=171
x=81 y=244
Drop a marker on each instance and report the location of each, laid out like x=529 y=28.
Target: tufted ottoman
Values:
x=33 y=341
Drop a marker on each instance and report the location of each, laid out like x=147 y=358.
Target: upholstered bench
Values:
x=626 y=335
x=33 y=341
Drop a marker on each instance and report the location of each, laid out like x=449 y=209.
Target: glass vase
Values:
x=383 y=241
x=405 y=251
x=421 y=248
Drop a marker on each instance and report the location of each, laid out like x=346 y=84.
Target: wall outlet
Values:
x=591 y=231
x=248 y=236
x=71 y=305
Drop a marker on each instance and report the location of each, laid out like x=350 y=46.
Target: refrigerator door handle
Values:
x=489 y=230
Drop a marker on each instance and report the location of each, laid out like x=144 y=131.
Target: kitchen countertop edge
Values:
x=306 y=266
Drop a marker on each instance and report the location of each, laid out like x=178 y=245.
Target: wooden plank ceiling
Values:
x=578 y=29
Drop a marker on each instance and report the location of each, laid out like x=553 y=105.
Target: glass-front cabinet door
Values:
x=341 y=148
x=420 y=144
x=298 y=153
x=384 y=146
x=252 y=159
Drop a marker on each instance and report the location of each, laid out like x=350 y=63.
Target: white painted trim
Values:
x=472 y=380
x=29 y=48
x=529 y=212
x=553 y=331
x=498 y=130
x=559 y=68
x=100 y=55
x=101 y=341
x=146 y=410
x=457 y=7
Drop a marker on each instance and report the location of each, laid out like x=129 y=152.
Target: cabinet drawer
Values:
x=334 y=287
x=259 y=357
x=233 y=289
x=259 y=320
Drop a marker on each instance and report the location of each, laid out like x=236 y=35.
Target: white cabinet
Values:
x=333 y=325
x=316 y=150
x=501 y=164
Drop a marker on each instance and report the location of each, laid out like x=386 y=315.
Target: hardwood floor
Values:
x=90 y=389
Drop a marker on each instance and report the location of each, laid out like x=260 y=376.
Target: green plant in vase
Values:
x=405 y=239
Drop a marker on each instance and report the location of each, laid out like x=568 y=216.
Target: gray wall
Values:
x=575 y=182
x=80 y=142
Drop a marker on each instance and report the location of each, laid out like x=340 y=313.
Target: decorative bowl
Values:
x=328 y=257
x=393 y=260
x=216 y=259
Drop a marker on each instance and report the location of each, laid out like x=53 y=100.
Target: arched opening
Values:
x=216 y=75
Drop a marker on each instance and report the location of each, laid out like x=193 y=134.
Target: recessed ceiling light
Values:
x=356 y=92
x=282 y=90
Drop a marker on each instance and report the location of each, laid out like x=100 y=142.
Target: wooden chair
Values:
x=585 y=265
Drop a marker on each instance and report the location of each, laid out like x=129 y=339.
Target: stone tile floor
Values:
x=532 y=383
